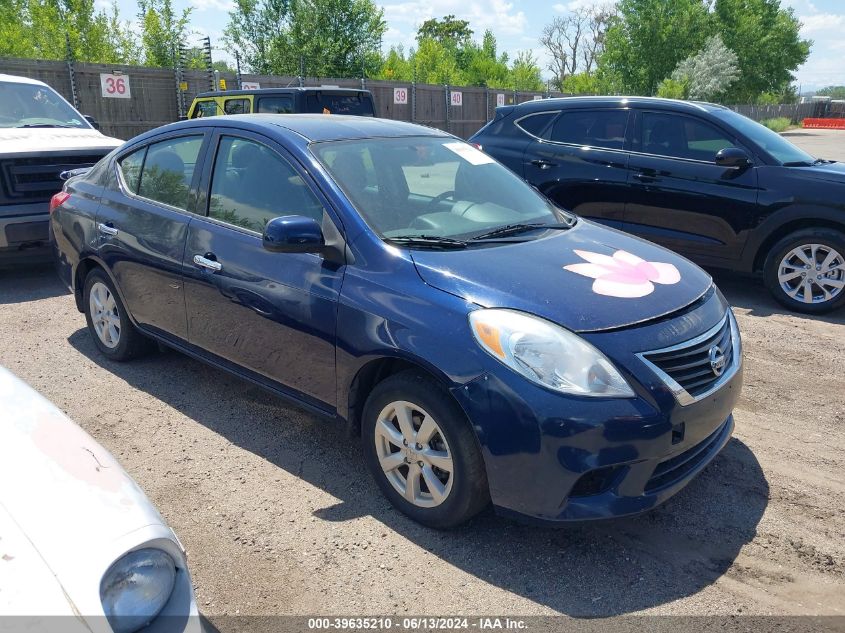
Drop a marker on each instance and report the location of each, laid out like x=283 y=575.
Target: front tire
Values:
x=805 y=271
x=422 y=451
x=109 y=324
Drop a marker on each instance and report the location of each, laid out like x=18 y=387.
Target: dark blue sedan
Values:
x=487 y=345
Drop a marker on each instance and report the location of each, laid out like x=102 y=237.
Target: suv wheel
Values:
x=109 y=325
x=422 y=451
x=805 y=271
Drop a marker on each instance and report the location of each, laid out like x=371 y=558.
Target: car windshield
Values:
x=432 y=187
x=32 y=105
x=781 y=149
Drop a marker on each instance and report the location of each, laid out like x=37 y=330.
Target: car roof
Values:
x=611 y=101
x=311 y=127
x=16 y=79
x=270 y=91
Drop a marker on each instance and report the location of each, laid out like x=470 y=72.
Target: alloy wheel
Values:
x=413 y=454
x=104 y=315
x=812 y=273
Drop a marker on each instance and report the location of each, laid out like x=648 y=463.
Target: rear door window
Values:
x=537 y=124
x=236 y=106
x=275 y=105
x=677 y=136
x=593 y=128
x=130 y=168
x=169 y=170
x=328 y=103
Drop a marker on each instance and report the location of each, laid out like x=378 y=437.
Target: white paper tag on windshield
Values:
x=469 y=153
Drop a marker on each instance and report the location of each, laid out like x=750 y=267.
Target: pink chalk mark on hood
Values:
x=624 y=274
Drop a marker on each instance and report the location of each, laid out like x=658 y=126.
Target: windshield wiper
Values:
x=43 y=125
x=431 y=241
x=516 y=229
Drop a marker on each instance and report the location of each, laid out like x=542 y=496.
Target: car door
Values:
x=679 y=197
x=142 y=224
x=271 y=314
x=579 y=161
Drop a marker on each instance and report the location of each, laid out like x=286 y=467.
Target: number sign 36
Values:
x=115 y=86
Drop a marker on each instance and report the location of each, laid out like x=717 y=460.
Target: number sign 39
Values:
x=400 y=96
x=115 y=86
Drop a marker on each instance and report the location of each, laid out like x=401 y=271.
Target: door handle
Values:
x=543 y=164
x=210 y=264
x=106 y=229
x=645 y=177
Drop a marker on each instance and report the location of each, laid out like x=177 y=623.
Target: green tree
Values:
x=707 y=74
x=767 y=43
x=525 y=73
x=435 y=63
x=255 y=30
x=647 y=39
x=671 y=88
x=834 y=92
x=162 y=31
x=448 y=31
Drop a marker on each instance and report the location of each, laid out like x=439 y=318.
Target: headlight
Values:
x=547 y=354
x=136 y=587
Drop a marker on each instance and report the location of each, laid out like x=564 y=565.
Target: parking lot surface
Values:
x=279 y=515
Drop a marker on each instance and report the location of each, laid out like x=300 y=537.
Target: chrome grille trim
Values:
x=683 y=397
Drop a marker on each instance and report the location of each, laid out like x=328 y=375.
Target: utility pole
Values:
x=301 y=71
x=206 y=49
x=181 y=58
x=238 y=81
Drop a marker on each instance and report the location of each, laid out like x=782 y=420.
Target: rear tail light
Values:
x=58 y=200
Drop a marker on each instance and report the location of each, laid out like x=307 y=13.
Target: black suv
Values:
x=698 y=178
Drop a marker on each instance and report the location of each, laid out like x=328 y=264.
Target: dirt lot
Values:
x=279 y=516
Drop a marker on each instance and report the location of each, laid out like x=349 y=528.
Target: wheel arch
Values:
x=787 y=221
x=374 y=371
x=82 y=270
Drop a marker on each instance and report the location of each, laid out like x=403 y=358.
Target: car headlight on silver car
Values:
x=136 y=587
x=547 y=354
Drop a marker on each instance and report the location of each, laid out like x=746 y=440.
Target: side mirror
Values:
x=733 y=157
x=293 y=234
x=94 y=123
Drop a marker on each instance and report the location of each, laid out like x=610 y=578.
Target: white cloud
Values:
x=215 y=5
x=821 y=22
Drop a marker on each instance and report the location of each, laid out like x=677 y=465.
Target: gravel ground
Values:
x=279 y=516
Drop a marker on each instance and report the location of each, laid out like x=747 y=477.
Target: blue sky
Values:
x=517 y=25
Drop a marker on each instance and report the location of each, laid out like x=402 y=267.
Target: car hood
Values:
x=834 y=172
x=587 y=278
x=66 y=494
x=51 y=139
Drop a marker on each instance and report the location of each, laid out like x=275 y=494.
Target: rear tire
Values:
x=413 y=431
x=805 y=271
x=109 y=324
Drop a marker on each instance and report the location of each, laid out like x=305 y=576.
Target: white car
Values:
x=41 y=136
x=78 y=537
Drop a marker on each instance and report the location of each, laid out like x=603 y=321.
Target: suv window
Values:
x=326 y=103
x=681 y=137
x=536 y=124
x=169 y=169
x=252 y=184
x=275 y=105
x=205 y=108
x=130 y=167
x=596 y=128
x=236 y=106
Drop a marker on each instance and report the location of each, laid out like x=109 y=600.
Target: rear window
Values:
x=537 y=124
x=236 y=106
x=328 y=103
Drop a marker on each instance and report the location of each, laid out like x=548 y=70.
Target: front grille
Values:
x=36 y=179
x=689 y=365
x=679 y=466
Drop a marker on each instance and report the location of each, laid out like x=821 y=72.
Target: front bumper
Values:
x=24 y=233
x=554 y=458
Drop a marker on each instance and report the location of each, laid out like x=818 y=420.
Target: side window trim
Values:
x=636 y=137
x=204 y=190
x=193 y=190
x=622 y=149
